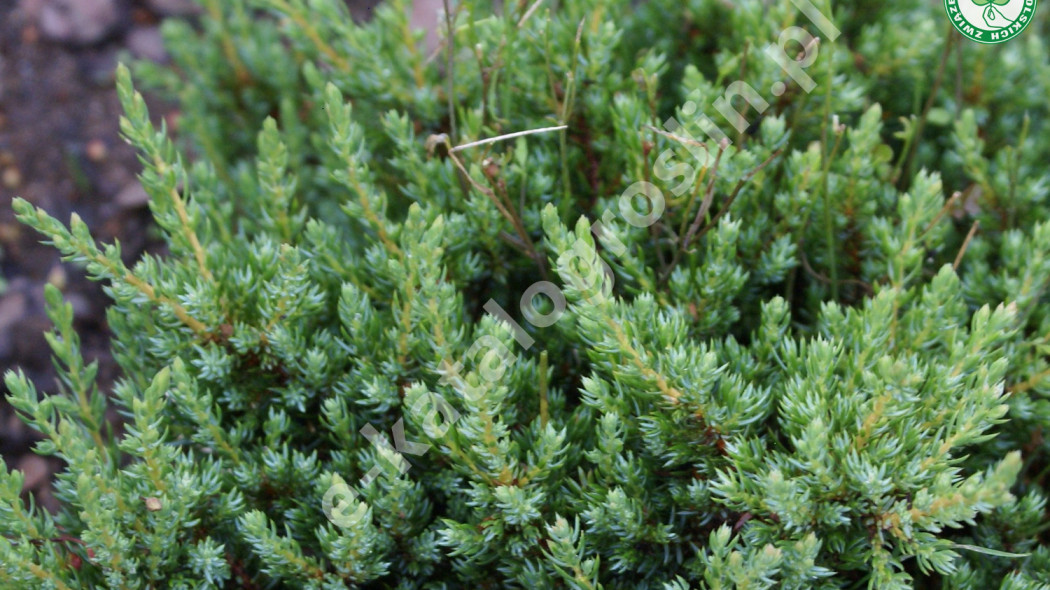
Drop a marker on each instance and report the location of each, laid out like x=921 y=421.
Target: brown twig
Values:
x=965 y=245
x=505 y=209
x=695 y=232
x=947 y=205
x=905 y=164
x=708 y=198
x=824 y=279
x=529 y=12
x=1029 y=383
x=678 y=138
x=450 y=18
x=736 y=191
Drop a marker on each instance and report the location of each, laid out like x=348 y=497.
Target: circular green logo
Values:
x=990 y=21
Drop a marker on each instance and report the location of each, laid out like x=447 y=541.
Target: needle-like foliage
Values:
x=754 y=297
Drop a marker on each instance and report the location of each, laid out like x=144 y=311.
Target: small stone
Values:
x=140 y=15
x=96 y=150
x=152 y=504
x=46 y=499
x=30 y=35
x=12 y=178
x=57 y=277
x=172 y=120
x=13 y=431
x=81 y=306
x=146 y=42
x=13 y=307
x=132 y=196
x=28 y=341
x=30 y=9
x=79 y=22
x=10 y=232
x=35 y=469
x=426 y=15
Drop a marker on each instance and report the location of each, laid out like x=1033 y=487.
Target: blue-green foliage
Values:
x=821 y=361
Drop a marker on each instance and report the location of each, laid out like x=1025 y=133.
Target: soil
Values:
x=60 y=149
